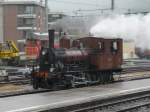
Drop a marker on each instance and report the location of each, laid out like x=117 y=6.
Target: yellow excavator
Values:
x=9 y=53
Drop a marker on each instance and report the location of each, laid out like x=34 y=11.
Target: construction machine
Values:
x=9 y=53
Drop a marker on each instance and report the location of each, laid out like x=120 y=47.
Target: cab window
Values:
x=114 y=46
x=101 y=45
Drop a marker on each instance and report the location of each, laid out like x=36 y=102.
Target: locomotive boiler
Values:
x=84 y=61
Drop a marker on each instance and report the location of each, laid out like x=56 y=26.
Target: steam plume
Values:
x=128 y=27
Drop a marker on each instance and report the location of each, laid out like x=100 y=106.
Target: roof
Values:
x=92 y=37
x=21 y=3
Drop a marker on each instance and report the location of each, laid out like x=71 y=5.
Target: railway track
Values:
x=17 y=82
x=137 y=102
x=27 y=80
x=16 y=79
x=135 y=69
x=22 y=80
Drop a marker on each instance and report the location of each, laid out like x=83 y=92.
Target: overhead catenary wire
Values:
x=90 y=10
x=76 y=3
x=79 y=12
x=85 y=3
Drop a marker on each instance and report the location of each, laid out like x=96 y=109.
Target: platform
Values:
x=50 y=100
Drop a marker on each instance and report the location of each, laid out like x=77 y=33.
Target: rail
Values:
x=125 y=103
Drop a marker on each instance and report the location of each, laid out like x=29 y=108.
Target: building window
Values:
x=28 y=21
x=29 y=9
x=27 y=34
x=26 y=9
x=24 y=34
x=24 y=22
x=20 y=22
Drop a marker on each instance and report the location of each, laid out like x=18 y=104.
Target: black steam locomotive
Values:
x=86 y=61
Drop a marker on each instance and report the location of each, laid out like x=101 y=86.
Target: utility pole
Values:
x=112 y=5
x=46 y=15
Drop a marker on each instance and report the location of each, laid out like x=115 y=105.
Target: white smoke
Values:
x=128 y=27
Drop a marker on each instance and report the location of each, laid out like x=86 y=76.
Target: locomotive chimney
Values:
x=51 y=38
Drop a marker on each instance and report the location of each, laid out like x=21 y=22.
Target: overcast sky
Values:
x=69 y=6
x=119 y=4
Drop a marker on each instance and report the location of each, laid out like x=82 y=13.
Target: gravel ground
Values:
x=8 y=88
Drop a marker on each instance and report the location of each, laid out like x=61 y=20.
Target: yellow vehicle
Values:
x=9 y=53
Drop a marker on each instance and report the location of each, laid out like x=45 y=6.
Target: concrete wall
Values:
x=1 y=24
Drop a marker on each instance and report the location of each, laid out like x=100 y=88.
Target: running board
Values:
x=86 y=82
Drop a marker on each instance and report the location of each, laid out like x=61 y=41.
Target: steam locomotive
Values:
x=84 y=61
